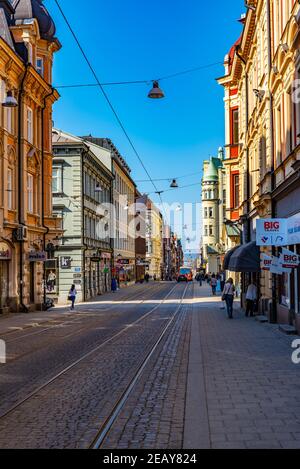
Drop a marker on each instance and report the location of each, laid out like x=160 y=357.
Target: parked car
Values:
x=185 y=275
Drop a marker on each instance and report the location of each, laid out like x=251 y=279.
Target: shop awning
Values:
x=245 y=259
x=228 y=257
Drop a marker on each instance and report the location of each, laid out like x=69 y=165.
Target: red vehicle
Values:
x=185 y=275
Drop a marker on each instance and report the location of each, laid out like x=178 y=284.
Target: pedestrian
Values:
x=213 y=284
x=251 y=298
x=72 y=296
x=222 y=277
x=200 y=278
x=228 y=296
x=147 y=277
x=114 y=285
x=154 y=277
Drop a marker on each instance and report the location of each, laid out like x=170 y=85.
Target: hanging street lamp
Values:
x=156 y=92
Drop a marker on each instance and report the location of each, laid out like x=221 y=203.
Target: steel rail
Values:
x=105 y=428
x=72 y=319
x=81 y=359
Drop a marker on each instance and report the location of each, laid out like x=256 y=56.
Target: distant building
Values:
x=213 y=203
x=82 y=194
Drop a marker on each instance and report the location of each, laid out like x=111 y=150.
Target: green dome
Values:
x=211 y=173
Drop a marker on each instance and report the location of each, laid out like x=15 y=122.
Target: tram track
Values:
x=119 y=405
x=72 y=320
x=37 y=390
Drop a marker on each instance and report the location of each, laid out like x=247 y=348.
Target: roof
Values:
x=28 y=9
x=232 y=230
x=211 y=173
x=4 y=29
x=211 y=251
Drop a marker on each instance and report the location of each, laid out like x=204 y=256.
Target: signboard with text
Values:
x=272 y=232
x=289 y=259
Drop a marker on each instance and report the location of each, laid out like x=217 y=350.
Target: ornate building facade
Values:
x=262 y=113
x=27 y=228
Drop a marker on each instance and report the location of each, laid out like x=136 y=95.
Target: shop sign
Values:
x=37 y=256
x=77 y=269
x=123 y=261
x=293 y=230
x=271 y=232
x=5 y=252
x=277 y=267
x=65 y=262
x=95 y=259
x=266 y=262
x=289 y=259
x=76 y=276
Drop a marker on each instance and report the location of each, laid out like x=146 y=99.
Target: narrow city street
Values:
x=151 y=366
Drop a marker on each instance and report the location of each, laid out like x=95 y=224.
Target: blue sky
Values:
x=137 y=40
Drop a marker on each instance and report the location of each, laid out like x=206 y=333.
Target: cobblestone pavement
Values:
x=244 y=390
x=211 y=383
x=68 y=412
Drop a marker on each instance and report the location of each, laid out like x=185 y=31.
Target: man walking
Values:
x=251 y=297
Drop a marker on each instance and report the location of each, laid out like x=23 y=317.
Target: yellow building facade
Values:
x=28 y=231
x=262 y=115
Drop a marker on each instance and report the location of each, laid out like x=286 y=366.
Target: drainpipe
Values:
x=273 y=316
x=21 y=219
x=46 y=228
x=247 y=238
x=85 y=247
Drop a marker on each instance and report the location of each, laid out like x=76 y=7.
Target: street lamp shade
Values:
x=10 y=101
x=174 y=184
x=156 y=92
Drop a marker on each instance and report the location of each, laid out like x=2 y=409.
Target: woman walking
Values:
x=228 y=296
x=213 y=284
x=72 y=296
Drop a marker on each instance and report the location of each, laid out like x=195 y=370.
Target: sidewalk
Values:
x=243 y=389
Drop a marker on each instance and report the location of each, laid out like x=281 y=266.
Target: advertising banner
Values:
x=289 y=259
x=266 y=262
x=271 y=232
x=293 y=226
x=277 y=267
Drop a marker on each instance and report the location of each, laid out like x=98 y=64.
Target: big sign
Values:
x=271 y=232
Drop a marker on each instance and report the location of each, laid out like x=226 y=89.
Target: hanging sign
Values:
x=293 y=230
x=271 y=232
x=289 y=259
x=266 y=262
x=37 y=256
x=277 y=267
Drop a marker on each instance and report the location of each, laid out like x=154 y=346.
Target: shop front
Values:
x=5 y=263
x=125 y=272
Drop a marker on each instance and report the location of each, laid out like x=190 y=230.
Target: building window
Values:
x=205 y=230
x=210 y=231
x=236 y=190
x=210 y=212
x=57 y=180
x=205 y=212
x=40 y=66
x=10 y=189
x=29 y=125
x=30 y=193
x=235 y=127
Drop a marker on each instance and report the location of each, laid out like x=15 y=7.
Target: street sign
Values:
x=277 y=267
x=271 y=232
x=65 y=262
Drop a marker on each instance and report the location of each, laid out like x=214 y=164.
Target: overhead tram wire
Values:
x=139 y=82
x=106 y=96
